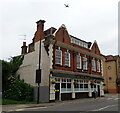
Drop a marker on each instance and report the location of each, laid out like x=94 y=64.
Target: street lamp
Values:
x=38 y=71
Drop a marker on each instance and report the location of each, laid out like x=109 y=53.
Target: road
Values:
x=109 y=103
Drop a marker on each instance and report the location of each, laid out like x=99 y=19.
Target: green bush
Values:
x=12 y=86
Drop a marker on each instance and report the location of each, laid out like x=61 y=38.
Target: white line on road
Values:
x=26 y=109
x=30 y=108
x=104 y=107
x=110 y=98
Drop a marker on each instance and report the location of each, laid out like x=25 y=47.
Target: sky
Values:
x=88 y=20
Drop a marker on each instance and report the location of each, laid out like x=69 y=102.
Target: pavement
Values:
x=18 y=107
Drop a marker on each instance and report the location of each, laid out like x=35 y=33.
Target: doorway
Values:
x=98 y=89
x=57 y=91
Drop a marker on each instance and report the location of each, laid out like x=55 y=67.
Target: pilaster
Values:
x=89 y=89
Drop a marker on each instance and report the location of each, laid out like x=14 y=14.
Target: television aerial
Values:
x=23 y=36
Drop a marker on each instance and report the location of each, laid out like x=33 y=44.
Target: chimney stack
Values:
x=40 y=29
x=24 y=48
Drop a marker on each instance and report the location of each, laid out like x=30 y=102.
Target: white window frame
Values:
x=68 y=59
x=93 y=65
x=85 y=63
x=78 y=62
x=98 y=66
x=59 y=63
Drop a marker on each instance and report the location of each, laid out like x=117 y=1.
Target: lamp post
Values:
x=38 y=71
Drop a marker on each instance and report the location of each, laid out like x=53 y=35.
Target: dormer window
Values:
x=79 y=42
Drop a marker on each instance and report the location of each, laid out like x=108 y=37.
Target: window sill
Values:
x=67 y=66
x=58 y=65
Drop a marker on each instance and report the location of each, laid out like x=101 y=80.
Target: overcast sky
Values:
x=88 y=20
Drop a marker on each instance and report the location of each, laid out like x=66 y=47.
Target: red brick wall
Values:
x=63 y=36
x=37 y=34
x=113 y=90
x=72 y=62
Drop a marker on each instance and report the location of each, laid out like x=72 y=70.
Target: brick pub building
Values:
x=71 y=67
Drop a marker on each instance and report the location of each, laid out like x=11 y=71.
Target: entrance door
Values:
x=57 y=91
x=98 y=88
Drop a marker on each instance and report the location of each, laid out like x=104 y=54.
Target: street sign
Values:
x=38 y=76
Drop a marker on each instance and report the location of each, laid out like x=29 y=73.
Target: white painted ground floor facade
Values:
x=62 y=88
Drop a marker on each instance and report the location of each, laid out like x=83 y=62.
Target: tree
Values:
x=12 y=86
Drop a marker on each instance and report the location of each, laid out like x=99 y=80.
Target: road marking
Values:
x=113 y=98
x=104 y=107
x=26 y=109
x=19 y=109
x=110 y=98
x=37 y=108
x=116 y=98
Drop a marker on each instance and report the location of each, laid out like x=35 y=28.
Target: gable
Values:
x=95 y=48
x=62 y=35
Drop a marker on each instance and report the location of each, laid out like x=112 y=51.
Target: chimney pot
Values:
x=24 y=43
x=24 y=48
x=40 y=22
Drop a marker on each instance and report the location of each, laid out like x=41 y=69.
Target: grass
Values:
x=9 y=101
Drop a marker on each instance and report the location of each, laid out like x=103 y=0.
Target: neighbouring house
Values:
x=71 y=67
x=112 y=73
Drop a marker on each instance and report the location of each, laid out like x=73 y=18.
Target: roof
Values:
x=52 y=30
x=71 y=74
x=111 y=57
x=49 y=31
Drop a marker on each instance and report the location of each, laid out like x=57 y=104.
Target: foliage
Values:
x=53 y=82
x=13 y=86
x=75 y=82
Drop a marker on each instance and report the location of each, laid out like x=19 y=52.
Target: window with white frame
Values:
x=85 y=63
x=67 y=59
x=58 y=57
x=98 y=66
x=93 y=65
x=79 y=64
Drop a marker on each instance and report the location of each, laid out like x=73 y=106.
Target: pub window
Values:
x=63 y=85
x=68 y=80
x=81 y=85
x=58 y=57
x=63 y=80
x=76 y=85
x=93 y=65
x=68 y=85
x=84 y=63
x=67 y=59
x=79 y=62
x=85 y=85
